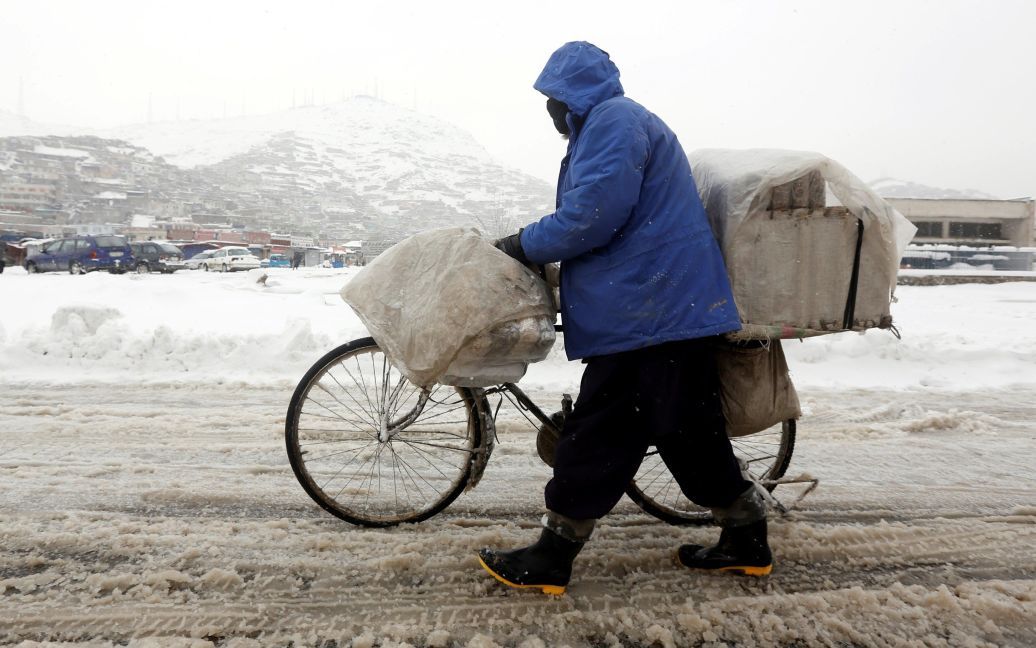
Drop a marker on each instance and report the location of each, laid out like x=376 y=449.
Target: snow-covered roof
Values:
x=111 y=195
x=61 y=152
x=142 y=220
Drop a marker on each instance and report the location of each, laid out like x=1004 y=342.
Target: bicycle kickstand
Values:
x=763 y=487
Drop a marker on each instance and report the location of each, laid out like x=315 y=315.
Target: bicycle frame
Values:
x=523 y=401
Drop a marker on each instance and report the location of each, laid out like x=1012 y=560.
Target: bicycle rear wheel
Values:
x=767 y=455
x=375 y=450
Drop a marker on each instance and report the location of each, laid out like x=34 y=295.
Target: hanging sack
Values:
x=756 y=388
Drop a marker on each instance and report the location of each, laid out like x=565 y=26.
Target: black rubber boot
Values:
x=742 y=550
x=546 y=565
x=742 y=546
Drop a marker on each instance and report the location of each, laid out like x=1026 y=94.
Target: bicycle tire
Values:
x=661 y=496
x=444 y=472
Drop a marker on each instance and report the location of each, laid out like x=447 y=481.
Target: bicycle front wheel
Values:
x=654 y=489
x=372 y=448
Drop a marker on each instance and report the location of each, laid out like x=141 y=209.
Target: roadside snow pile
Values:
x=196 y=326
x=868 y=422
x=187 y=326
x=91 y=337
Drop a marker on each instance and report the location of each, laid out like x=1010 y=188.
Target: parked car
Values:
x=14 y=253
x=276 y=261
x=153 y=255
x=231 y=258
x=81 y=254
x=194 y=263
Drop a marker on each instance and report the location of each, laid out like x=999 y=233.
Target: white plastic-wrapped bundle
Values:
x=447 y=307
x=797 y=266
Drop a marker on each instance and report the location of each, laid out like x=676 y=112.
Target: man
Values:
x=644 y=292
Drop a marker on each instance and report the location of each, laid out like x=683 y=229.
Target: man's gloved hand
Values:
x=512 y=247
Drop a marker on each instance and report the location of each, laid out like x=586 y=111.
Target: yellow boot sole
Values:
x=746 y=570
x=553 y=590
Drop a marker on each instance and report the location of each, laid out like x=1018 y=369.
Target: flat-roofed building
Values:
x=974 y=222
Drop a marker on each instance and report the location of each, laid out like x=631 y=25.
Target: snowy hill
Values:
x=358 y=169
x=13 y=125
x=893 y=188
x=359 y=121
x=361 y=161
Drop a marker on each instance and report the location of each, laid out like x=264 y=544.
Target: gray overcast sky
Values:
x=935 y=92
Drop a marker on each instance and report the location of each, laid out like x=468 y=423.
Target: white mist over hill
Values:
x=364 y=122
x=895 y=188
x=361 y=168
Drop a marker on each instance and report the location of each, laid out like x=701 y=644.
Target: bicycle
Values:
x=375 y=450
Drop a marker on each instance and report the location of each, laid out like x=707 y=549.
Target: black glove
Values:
x=512 y=247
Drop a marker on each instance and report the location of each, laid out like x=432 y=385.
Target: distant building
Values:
x=47 y=223
x=973 y=222
x=96 y=229
x=371 y=249
x=26 y=196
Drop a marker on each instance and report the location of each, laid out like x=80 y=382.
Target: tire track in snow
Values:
x=109 y=534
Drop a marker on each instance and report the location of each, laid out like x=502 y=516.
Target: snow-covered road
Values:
x=147 y=497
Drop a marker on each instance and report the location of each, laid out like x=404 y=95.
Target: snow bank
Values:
x=953 y=337
x=186 y=326
x=196 y=326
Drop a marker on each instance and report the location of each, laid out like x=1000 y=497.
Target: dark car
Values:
x=81 y=254
x=152 y=255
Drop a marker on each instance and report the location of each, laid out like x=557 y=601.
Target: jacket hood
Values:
x=581 y=75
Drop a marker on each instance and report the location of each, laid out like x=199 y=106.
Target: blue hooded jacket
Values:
x=639 y=263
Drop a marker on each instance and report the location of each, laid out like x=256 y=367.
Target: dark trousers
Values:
x=667 y=396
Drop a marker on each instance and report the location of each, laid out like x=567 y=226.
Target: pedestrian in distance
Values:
x=644 y=297
x=296 y=260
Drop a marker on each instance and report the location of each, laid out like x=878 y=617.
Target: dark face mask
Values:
x=558 y=111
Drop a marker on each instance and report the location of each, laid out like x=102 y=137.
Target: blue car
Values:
x=81 y=254
x=275 y=261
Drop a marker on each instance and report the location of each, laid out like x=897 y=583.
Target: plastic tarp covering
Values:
x=790 y=257
x=447 y=307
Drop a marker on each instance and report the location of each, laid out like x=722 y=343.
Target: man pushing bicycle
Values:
x=644 y=292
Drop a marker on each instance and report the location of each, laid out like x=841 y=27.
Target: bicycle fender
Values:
x=480 y=459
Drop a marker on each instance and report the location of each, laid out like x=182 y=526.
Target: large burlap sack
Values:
x=756 y=388
x=447 y=307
